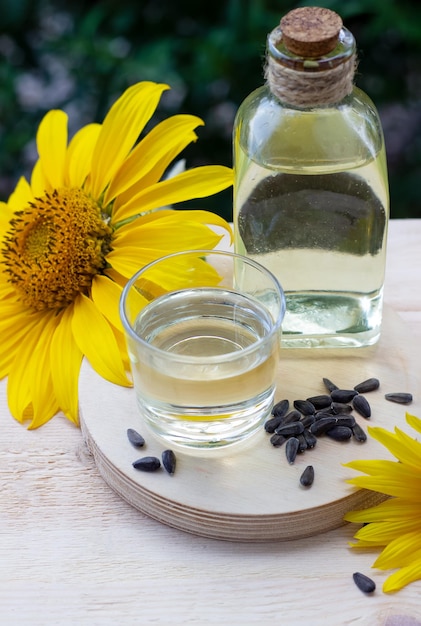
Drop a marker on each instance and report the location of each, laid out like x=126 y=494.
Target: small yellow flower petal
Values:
x=52 y=146
x=120 y=130
x=195 y=183
x=96 y=340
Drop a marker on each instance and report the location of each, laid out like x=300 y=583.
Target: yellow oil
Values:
x=311 y=204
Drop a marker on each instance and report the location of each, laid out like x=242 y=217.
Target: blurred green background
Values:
x=80 y=56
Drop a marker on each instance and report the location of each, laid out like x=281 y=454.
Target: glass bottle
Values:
x=311 y=198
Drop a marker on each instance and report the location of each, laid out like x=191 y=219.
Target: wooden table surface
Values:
x=73 y=552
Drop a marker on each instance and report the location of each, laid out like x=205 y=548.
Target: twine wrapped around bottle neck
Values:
x=306 y=89
x=311 y=58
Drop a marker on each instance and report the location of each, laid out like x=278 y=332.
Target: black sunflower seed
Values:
x=343 y=395
x=147 y=464
x=400 y=398
x=320 y=402
x=292 y=416
x=304 y=406
x=322 y=425
x=361 y=405
x=307 y=420
x=302 y=443
x=291 y=449
x=295 y=428
x=329 y=385
x=345 y=420
x=323 y=413
x=307 y=477
x=135 y=438
x=341 y=407
x=280 y=408
x=363 y=582
x=169 y=461
x=339 y=433
x=359 y=433
x=371 y=384
x=272 y=423
x=310 y=438
x=277 y=440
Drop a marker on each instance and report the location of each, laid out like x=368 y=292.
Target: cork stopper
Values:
x=311 y=31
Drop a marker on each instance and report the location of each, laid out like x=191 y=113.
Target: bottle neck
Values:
x=310 y=82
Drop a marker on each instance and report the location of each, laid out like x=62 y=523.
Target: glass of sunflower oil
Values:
x=203 y=333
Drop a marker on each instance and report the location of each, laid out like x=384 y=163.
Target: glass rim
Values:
x=225 y=358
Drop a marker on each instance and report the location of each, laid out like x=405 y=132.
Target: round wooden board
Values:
x=251 y=493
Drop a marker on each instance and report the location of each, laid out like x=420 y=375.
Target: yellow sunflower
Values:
x=72 y=236
x=395 y=524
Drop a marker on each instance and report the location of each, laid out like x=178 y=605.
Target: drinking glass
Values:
x=203 y=333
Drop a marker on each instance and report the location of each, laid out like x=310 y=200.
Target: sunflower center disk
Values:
x=55 y=247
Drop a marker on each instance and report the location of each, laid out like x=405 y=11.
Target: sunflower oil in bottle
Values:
x=311 y=196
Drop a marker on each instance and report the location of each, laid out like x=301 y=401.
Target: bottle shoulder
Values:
x=262 y=100
x=271 y=131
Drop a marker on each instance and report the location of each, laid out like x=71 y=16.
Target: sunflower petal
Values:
x=96 y=340
x=19 y=380
x=415 y=422
x=372 y=467
x=384 y=485
x=15 y=323
x=79 y=155
x=170 y=136
x=198 y=182
x=66 y=359
x=402 y=446
x=403 y=577
x=52 y=145
x=168 y=236
x=389 y=510
x=387 y=531
x=189 y=224
x=18 y=199
x=106 y=296
x=120 y=130
x=44 y=402
x=400 y=552
x=39 y=184
x=170 y=277
x=131 y=259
